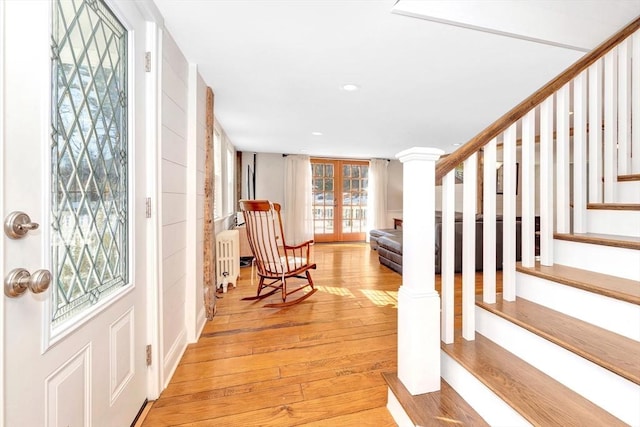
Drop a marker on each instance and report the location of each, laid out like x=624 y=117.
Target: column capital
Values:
x=420 y=153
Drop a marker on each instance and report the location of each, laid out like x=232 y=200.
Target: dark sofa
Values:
x=388 y=243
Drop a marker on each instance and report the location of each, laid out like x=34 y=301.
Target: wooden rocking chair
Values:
x=276 y=261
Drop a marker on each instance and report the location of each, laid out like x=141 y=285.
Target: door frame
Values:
x=2 y=272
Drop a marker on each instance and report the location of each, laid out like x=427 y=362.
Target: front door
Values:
x=73 y=160
x=339 y=199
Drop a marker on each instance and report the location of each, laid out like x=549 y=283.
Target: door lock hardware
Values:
x=17 y=224
x=19 y=280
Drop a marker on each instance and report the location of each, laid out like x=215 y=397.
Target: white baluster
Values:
x=563 y=209
x=469 y=201
x=528 y=188
x=448 y=255
x=509 y=214
x=635 y=103
x=546 y=182
x=624 y=108
x=418 y=301
x=580 y=153
x=595 y=133
x=489 y=224
x=610 y=167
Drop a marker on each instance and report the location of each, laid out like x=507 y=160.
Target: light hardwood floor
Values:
x=318 y=363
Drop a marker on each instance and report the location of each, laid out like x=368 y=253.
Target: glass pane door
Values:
x=340 y=215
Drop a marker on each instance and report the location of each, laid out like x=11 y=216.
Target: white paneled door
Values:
x=73 y=160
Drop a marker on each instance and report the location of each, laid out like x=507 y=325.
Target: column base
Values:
x=419 y=340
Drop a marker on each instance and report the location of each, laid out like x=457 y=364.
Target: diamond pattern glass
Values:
x=88 y=155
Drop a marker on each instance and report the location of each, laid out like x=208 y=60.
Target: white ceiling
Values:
x=277 y=66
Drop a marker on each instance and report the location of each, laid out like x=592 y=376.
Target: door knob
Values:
x=17 y=224
x=19 y=279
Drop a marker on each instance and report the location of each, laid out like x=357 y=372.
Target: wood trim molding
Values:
x=493 y=130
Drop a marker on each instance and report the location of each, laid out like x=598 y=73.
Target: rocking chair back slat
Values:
x=275 y=261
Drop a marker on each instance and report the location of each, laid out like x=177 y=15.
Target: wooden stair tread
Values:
x=615 y=206
x=628 y=242
x=599 y=283
x=440 y=408
x=533 y=394
x=631 y=177
x=612 y=351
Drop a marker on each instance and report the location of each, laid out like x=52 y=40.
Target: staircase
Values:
x=560 y=346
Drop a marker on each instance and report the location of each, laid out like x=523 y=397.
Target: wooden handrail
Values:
x=448 y=163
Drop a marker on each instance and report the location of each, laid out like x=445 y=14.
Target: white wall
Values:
x=195 y=316
x=269 y=176
x=173 y=188
x=394 y=192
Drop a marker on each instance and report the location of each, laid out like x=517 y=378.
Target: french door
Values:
x=74 y=319
x=339 y=199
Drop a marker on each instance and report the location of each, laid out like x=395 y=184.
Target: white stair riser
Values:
x=611 y=392
x=628 y=192
x=617 y=316
x=617 y=222
x=610 y=260
x=397 y=411
x=486 y=403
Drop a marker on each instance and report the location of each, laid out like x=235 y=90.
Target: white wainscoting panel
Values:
x=68 y=392
x=121 y=353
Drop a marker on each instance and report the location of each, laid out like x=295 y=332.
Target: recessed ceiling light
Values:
x=350 y=87
x=316 y=133
x=456 y=144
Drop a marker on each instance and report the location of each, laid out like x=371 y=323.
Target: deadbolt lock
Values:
x=17 y=224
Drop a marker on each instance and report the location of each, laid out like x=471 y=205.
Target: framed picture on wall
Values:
x=500 y=178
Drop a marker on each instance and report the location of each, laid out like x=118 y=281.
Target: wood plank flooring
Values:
x=318 y=363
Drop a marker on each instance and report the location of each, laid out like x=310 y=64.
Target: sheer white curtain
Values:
x=377 y=201
x=298 y=221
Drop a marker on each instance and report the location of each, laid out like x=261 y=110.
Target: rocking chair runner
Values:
x=276 y=263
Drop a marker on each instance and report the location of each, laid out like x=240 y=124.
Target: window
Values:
x=230 y=179
x=89 y=200
x=217 y=173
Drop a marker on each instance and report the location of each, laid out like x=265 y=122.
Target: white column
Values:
x=418 y=301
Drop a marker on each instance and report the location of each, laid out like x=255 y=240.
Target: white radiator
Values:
x=227 y=258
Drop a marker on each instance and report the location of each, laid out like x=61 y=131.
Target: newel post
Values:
x=418 y=301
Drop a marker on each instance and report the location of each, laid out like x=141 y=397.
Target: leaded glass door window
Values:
x=89 y=206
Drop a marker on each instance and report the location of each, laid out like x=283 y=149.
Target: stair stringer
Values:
x=486 y=403
x=617 y=316
x=615 y=261
x=611 y=392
